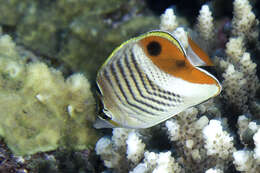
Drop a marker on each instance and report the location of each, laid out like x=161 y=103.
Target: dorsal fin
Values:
x=196 y=55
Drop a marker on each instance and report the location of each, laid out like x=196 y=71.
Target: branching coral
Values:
x=110 y=149
x=130 y=142
x=244 y=19
x=205 y=23
x=190 y=139
x=212 y=170
x=247 y=160
x=40 y=110
x=217 y=141
x=240 y=80
x=202 y=144
x=204 y=138
x=257 y=146
x=169 y=21
x=243 y=160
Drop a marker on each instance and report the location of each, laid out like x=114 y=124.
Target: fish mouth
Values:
x=212 y=71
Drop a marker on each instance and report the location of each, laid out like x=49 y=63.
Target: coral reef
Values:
x=68 y=31
x=130 y=142
x=58 y=161
x=244 y=20
x=247 y=159
x=220 y=135
x=40 y=110
x=200 y=144
x=240 y=80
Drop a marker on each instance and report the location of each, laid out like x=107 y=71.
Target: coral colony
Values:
x=203 y=138
x=41 y=109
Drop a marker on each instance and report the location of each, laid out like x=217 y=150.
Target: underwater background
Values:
x=50 y=52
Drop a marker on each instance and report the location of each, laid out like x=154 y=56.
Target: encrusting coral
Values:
x=68 y=31
x=40 y=110
x=203 y=138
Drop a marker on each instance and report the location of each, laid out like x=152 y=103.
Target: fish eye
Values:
x=154 y=48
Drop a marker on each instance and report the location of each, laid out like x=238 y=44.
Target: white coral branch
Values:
x=168 y=21
x=218 y=142
x=205 y=23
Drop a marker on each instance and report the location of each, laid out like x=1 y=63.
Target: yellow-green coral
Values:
x=68 y=31
x=40 y=110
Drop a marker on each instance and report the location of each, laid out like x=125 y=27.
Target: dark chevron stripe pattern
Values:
x=132 y=87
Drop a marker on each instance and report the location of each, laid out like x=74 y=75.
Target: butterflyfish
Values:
x=150 y=78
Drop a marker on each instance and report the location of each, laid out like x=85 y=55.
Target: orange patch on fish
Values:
x=172 y=60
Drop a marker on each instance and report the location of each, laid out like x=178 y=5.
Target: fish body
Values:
x=151 y=78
